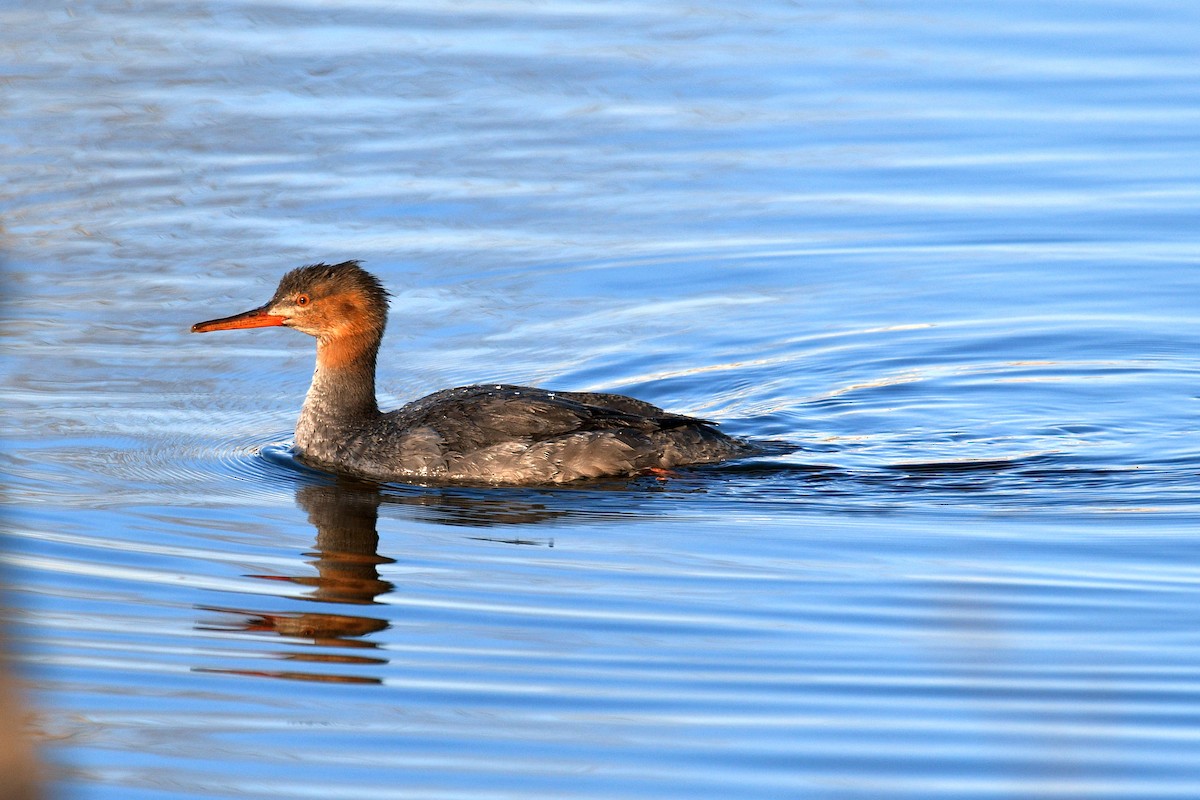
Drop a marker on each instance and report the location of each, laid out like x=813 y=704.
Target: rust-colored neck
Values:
x=356 y=352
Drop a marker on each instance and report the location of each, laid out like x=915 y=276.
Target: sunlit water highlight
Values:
x=945 y=252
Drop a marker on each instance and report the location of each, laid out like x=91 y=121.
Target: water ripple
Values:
x=945 y=252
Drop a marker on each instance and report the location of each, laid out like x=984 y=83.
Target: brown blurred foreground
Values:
x=19 y=769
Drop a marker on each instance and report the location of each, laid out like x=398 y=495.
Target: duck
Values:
x=494 y=434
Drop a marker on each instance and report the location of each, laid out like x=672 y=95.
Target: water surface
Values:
x=947 y=252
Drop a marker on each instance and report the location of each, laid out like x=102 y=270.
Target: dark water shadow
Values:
x=485 y=506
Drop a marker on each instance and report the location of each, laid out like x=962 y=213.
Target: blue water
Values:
x=947 y=251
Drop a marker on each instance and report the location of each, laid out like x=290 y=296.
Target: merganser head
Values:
x=328 y=302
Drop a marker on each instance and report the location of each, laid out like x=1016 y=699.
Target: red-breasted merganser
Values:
x=497 y=434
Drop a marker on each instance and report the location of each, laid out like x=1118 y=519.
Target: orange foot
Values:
x=660 y=473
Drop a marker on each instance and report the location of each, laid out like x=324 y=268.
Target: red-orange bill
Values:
x=254 y=318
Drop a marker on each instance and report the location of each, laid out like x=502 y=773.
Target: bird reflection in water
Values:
x=347 y=560
x=347 y=563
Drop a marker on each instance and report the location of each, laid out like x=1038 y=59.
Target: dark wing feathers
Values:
x=639 y=408
x=473 y=417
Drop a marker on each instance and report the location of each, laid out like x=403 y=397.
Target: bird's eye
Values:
x=301 y=299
